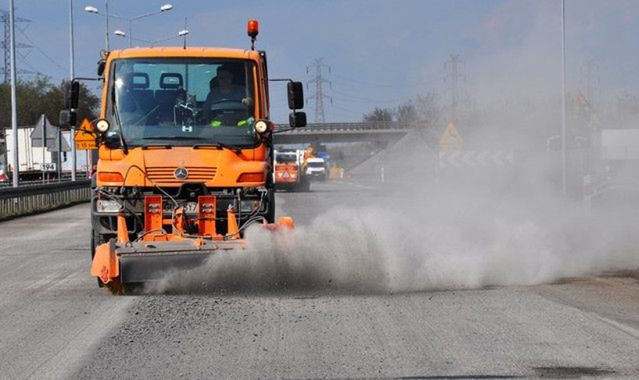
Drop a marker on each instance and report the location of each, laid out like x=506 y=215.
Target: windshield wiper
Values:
x=217 y=145
x=221 y=146
x=164 y=146
x=174 y=138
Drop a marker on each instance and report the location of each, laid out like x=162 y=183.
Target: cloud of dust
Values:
x=423 y=239
x=426 y=229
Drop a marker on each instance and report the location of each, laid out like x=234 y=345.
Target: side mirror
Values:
x=67 y=118
x=101 y=66
x=295 y=95
x=73 y=95
x=297 y=119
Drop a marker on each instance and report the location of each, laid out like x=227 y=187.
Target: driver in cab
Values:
x=223 y=93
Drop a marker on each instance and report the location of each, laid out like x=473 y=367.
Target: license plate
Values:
x=190 y=207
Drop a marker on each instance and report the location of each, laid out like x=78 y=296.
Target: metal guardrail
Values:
x=24 y=200
x=340 y=132
x=32 y=177
x=337 y=127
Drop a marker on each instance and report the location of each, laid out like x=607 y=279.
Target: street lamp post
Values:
x=182 y=33
x=91 y=9
x=72 y=74
x=564 y=159
x=94 y=10
x=14 y=107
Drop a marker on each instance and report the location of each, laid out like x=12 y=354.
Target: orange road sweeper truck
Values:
x=185 y=157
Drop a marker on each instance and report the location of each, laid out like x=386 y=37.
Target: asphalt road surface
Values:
x=56 y=323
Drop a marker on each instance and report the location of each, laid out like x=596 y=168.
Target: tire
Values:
x=305 y=185
x=270 y=211
x=96 y=239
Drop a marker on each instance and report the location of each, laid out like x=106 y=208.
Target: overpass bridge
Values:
x=340 y=133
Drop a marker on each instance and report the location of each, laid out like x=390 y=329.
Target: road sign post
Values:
x=44 y=146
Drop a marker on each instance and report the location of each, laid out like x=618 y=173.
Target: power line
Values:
x=353 y=82
x=359 y=83
x=362 y=98
x=53 y=61
x=26 y=62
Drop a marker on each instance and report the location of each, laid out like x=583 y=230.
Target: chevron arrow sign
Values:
x=472 y=159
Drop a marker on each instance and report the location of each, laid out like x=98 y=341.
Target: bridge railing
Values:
x=24 y=200
x=350 y=126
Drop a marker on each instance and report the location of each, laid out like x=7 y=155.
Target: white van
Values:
x=316 y=168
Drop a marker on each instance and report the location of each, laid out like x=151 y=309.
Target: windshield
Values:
x=178 y=101
x=285 y=157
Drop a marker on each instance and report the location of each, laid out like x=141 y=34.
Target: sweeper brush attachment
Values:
x=121 y=264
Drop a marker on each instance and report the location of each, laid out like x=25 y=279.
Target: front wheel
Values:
x=306 y=184
x=96 y=240
x=270 y=210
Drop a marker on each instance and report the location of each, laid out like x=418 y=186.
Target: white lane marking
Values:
x=619 y=326
x=84 y=341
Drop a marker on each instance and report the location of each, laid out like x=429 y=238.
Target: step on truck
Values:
x=185 y=157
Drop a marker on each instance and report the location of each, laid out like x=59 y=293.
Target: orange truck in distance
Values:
x=289 y=171
x=185 y=157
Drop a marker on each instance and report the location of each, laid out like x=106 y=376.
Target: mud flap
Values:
x=105 y=262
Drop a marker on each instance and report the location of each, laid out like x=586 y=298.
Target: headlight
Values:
x=261 y=126
x=102 y=125
x=107 y=205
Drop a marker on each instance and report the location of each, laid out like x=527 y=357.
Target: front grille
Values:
x=164 y=174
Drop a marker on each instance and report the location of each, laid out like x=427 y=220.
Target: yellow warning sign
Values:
x=451 y=139
x=84 y=139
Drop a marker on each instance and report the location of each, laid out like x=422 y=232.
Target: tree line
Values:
x=422 y=112
x=41 y=96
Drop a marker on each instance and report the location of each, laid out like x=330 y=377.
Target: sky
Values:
x=380 y=53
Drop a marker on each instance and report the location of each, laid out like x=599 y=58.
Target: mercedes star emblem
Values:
x=181 y=173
